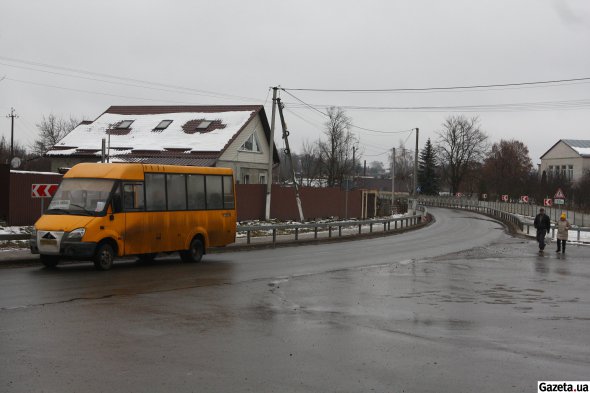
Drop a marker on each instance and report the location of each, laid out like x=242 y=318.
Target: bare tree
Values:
x=404 y=166
x=461 y=144
x=309 y=163
x=19 y=151
x=376 y=169
x=336 y=151
x=52 y=130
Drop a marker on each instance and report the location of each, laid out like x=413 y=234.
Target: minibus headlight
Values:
x=77 y=234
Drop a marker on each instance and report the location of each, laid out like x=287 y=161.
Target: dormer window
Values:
x=163 y=125
x=124 y=124
x=251 y=144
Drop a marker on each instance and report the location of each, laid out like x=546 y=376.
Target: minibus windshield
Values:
x=87 y=197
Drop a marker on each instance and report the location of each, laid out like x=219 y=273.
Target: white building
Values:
x=234 y=137
x=568 y=157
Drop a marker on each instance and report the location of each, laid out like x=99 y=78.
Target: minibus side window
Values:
x=155 y=191
x=133 y=198
x=228 y=192
x=214 y=192
x=176 y=190
x=196 y=192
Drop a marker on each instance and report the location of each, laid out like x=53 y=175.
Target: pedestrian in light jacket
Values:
x=563 y=227
x=543 y=226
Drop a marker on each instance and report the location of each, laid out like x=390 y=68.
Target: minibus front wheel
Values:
x=104 y=256
x=195 y=251
x=49 y=261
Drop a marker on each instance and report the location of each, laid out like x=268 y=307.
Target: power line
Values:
x=92 y=92
x=351 y=124
x=465 y=87
x=120 y=78
x=509 y=107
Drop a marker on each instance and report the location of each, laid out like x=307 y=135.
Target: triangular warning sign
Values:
x=559 y=194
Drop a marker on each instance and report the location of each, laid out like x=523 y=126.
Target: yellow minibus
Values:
x=101 y=211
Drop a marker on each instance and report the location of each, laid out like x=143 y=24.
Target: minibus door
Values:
x=136 y=229
x=115 y=219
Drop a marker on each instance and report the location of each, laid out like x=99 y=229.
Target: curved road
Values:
x=456 y=306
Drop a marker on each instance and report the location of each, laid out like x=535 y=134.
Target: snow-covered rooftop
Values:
x=582 y=147
x=143 y=136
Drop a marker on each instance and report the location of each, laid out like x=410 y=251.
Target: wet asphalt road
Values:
x=459 y=306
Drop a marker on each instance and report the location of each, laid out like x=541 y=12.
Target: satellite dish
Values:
x=15 y=163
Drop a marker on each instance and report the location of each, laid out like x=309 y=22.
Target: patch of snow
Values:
x=36 y=173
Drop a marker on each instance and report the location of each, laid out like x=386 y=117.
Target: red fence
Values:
x=17 y=207
x=316 y=202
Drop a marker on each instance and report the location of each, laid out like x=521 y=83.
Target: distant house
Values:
x=568 y=158
x=236 y=137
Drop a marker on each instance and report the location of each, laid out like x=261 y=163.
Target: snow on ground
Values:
x=15 y=230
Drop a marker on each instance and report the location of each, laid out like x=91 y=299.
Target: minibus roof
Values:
x=135 y=171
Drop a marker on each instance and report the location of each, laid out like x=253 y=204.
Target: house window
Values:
x=245 y=179
x=550 y=170
x=251 y=144
x=163 y=125
x=563 y=168
x=124 y=124
x=570 y=172
x=261 y=179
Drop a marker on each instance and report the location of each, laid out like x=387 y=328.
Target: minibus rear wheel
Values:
x=104 y=256
x=194 y=253
x=49 y=261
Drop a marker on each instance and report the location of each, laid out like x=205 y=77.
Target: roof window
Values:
x=163 y=125
x=203 y=125
x=124 y=124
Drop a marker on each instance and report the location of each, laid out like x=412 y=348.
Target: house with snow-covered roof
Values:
x=569 y=158
x=235 y=136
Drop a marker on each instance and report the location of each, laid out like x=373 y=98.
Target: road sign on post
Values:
x=43 y=190
x=559 y=201
x=524 y=198
x=505 y=198
x=484 y=196
x=559 y=194
x=548 y=202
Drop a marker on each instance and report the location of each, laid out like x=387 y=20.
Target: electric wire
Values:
x=120 y=78
x=446 y=88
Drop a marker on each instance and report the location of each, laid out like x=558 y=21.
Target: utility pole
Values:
x=12 y=115
x=392 y=179
x=271 y=156
x=353 y=161
x=290 y=158
x=415 y=191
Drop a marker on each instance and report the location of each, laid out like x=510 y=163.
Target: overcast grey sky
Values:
x=238 y=49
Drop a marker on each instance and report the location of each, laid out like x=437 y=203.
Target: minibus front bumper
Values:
x=69 y=249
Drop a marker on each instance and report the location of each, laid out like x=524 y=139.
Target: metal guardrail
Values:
x=397 y=224
x=15 y=236
x=333 y=227
x=502 y=215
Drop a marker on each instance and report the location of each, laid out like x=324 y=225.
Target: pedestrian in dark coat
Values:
x=543 y=226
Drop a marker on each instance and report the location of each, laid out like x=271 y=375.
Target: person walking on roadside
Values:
x=563 y=227
x=543 y=226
